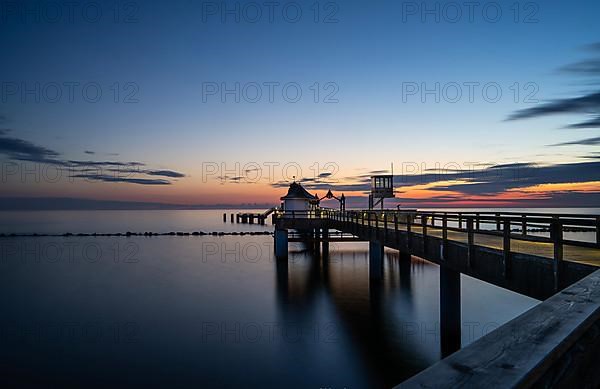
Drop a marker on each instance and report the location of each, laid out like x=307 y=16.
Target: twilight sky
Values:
x=191 y=102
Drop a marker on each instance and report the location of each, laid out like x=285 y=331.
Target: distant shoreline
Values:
x=77 y=204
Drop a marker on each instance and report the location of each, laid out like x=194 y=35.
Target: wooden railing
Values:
x=490 y=223
x=532 y=227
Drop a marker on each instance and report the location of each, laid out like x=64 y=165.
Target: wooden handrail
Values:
x=484 y=222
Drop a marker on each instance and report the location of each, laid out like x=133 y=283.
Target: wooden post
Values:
x=432 y=220
x=498 y=222
x=524 y=225
x=444 y=236
x=450 y=312
x=396 y=234
x=232 y=217
x=556 y=236
x=225 y=218
x=506 y=249
x=460 y=220
x=470 y=241
x=385 y=222
x=408 y=232
x=598 y=231
x=376 y=256
x=477 y=222
x=281 y=244
x=445 y=227
x=424 y=227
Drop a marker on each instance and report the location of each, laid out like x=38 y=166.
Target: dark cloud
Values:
x=593 y=46
x=591 y=156
x=107 y=178
x=164 y=173
x=588 y=67
x=584 y=142
x=490 y=181
x=587 y=104
x=104 y=163
x=592 y=123
x=235 y=179
x=23 y=150
x=487 y=183
x=89 y=152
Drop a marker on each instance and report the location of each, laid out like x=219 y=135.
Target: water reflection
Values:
x=379 y=336
x=393 y=323
x=198 y=303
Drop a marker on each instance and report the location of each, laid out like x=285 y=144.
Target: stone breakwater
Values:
x=146 y=233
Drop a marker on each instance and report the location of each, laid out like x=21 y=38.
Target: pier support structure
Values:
x=376 y=253
x=450 y=315
x=325 y=235
x=281 y=244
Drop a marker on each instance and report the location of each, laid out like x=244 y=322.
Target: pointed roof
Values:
x=297 y=191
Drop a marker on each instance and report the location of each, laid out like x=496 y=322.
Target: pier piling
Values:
x=376 y=253
x=450 y=322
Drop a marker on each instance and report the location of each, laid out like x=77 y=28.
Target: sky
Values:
x=192 y=102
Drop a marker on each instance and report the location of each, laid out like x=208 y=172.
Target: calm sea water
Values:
x=215 y=311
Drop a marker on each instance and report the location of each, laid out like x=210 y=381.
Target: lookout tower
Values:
x=382 y=187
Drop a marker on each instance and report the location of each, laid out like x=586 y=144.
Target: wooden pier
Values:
x=534 y=254
x=250 y=217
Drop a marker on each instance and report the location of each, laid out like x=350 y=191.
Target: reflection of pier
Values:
x=388 y=350
x=495 y=248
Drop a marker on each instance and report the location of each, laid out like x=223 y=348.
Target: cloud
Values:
x=89 y=152
x=23 y=150
x=104 y=163
x=490 y=181
x=164 y=173
x=587 y=104
x=588 y=67
x=591 y=156
x=107 y=178
x=592 y=123
x=584 y=142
